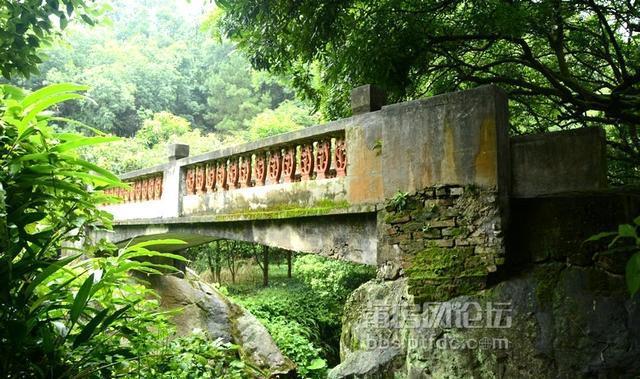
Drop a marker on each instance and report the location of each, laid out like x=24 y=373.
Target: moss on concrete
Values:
x=323 y=207
x=438 y=273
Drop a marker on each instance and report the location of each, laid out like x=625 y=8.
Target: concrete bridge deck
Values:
x=324 y=189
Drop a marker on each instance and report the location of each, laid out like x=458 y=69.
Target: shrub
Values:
x=60 y=316
x=332 y=279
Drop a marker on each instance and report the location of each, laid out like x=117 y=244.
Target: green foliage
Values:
x=28 y=25
x=162 y=127
x=626 y=238
x=64 y=317
x=194 y=356
x=294 y=341
x=298 y=321
x=564 y=64
x=304 y=314
x=149 y=146
x=153 y=59
x=287 y=117
x=399 y=200
x=332 y=279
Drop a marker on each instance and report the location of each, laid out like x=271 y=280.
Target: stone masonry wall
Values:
x=447 y=239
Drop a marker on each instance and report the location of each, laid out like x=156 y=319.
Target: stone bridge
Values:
x=389 y=186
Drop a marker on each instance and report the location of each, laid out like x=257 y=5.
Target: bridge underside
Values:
x=351 y=237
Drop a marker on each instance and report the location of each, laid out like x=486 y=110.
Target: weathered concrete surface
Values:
x=572 y=160
x=367 y=98
x=301 y=196
x=555 y=228
x=458 y=138
x=349 y=237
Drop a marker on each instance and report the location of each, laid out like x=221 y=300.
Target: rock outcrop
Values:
x=552 y=321
x=203 y=307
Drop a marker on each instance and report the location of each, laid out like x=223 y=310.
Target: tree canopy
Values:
x=27 y=25
x=564 y=64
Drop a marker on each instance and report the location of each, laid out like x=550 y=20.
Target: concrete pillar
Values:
x=367 y=98
x=171 y=198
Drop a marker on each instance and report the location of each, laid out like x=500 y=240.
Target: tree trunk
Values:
x=210 y=261
x=265 y=266
x=289 y=264
x=231 y=260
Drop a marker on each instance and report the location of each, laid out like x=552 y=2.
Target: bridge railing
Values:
x=313 y=158
x=317 y=167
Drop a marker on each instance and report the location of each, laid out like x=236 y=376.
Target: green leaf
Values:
x=81 y=299
x=632 y=274
x=78 y=123
x=93 y=179
x=90 y=166
x=149 y=253
x=601 y=235
x=626 y=230
x=317 y=364
x=50 y=270
x=81 y=142
x=158 y=242
x=40 y=106
x=114 y=316
x=637 y=220
x=88 y=329
x=50 y=90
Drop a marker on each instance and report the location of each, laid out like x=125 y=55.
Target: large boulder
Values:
x=553 y=321
x=203 y=307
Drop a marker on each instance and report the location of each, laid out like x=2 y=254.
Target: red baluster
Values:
x=341 y=157
x=275 y=167
x=306 y=161
x=221 y=176
x=260 y=169
x=323 y=159
x=157 y=188
x=200 y=179
x=211 y=177
x=245 y=172
x=138 y=190
x=289 y=164
x=233 y=173
x=145 y=189
x=190 y=181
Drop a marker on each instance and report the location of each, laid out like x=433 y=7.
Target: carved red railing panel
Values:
x=245 y=172
x=157 y=188
x=190 y=181
x=275 y=167
x=200 y=179
x=289 y=164
x=145 y=189
x=210 y=182
x=341 y=157
x=140 y=189
x=323 y=159
x=221 y=175
x=260 y=169
x=233 y=173
x=278 y=163
x=306 y=161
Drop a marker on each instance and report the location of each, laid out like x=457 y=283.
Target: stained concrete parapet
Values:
x=458 y=138
x=566 y=161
